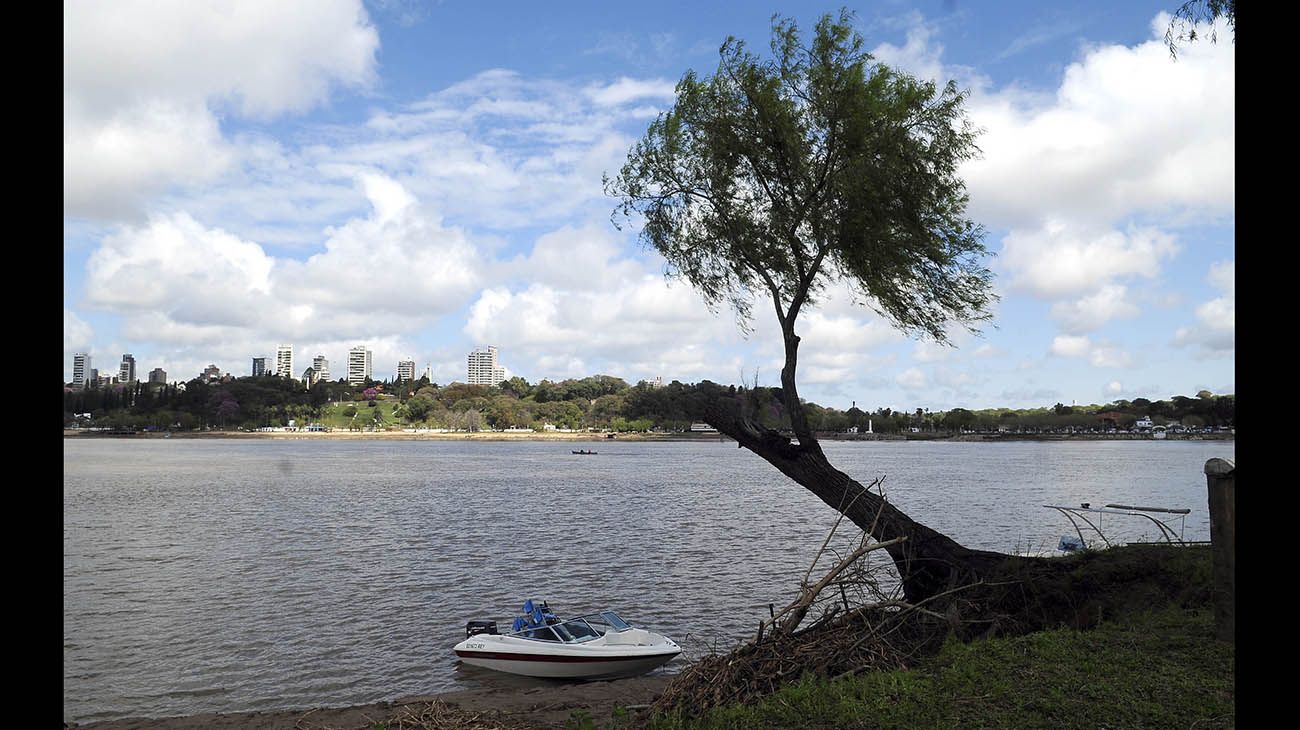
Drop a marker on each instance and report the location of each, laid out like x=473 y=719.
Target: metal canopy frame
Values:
x=1166 y=531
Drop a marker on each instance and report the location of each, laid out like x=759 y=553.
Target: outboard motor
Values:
x=480 y=627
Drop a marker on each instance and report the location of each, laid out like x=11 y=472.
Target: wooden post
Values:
x=1221 y=481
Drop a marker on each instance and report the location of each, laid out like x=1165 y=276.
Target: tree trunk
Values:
x=929 y=562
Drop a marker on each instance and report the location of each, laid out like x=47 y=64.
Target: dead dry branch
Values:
x=859 y=626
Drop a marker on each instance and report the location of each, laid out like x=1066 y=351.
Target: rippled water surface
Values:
x=228 y=575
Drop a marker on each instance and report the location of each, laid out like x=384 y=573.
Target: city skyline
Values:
x=390 y=175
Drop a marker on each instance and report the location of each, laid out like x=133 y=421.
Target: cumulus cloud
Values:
x=144 y=83
x=1215 y=331
x=1070 y=346
x=176 y=268
x=77 y=335
x=1062 y=258
x=911 y=379
x=178 y=281
x=1099 y=354
x=1128 y=130
x=1091 y=312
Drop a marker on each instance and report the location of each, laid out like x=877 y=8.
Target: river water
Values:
x=229 y=575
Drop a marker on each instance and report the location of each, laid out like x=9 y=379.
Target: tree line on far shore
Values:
x=598 y=401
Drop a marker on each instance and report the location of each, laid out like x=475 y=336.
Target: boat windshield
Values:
x=576 y=630
x=606 y=621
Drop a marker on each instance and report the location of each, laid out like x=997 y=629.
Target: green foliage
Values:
x=779 y=175
x=418 y=408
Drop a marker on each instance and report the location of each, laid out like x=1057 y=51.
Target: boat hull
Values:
x=566 y=667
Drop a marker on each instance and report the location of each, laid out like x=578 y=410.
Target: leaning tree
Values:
x=774 y=178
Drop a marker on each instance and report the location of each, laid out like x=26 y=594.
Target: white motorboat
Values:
x=541 y=644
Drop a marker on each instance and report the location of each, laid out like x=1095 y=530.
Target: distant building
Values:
x=428 y=372
x=259 y=367
x=406 y=370
x=284 y=361
x=483 y=368
x=322 y=368
x=158 y=375
x=105 y=380
x=211 y=373
x=126 y=373
x=81 y=370
x=359 y=360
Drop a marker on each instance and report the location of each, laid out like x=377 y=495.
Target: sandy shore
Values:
x=537 y=707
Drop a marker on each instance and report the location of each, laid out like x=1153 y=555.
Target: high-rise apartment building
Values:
x=322 y=368
x=158 y=375
x=406 y=370
x=259 y=367
x=211 y=373
x=81 y=376
x=284 y=361
x=359 y=365
x=126 y=373
x=483 y=367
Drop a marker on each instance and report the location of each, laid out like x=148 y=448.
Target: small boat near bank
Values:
x=541 y=644
x=584 y=452
x=1091 y=519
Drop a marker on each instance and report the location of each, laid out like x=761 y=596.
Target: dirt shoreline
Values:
x=536 y=707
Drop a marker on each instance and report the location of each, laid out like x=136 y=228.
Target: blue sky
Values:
x=425 y=178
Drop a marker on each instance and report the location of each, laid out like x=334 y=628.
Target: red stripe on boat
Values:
x=553 y=658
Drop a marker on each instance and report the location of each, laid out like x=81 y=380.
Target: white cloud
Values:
x=1107 y=356
x=1114 y=388
x=1063 y=259
x=1223 y=276
x=1128 y=130
x=911 y=379
x=1215 y=331
x=1099 y=354
x=77 y=335
x=174 y=267
x=1091 y=312
x=927 y=351
x=144 y=83
x=1070 y=346
x=177 y=281
x=625 y=90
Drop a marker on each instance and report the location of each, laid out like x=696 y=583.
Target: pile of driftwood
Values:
x=860 y=624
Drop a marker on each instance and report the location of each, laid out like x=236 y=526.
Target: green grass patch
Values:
x=332 y=415
x=1155 y=669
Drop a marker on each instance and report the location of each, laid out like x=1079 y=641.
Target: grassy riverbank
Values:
x=1151 y=669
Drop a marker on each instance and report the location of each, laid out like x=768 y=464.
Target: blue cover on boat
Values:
x=528 y=606
x=519 y=624
x=537 y=616
x=1070 y=542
